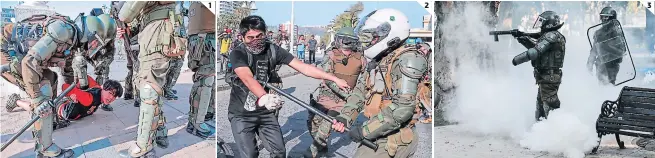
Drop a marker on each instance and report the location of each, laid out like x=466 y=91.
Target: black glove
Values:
x=340 y=119
x=356 y=134
x=371 y=65
x=525 y=41
x=335 y=114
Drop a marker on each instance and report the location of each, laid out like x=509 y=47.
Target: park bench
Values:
x=633 y=114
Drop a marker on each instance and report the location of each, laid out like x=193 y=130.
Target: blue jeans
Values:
x=301 y=54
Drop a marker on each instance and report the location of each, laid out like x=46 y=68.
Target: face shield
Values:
x=347 y=42
x=605 y=18
x=370 y=31
x=537 y=23
x=96 y=44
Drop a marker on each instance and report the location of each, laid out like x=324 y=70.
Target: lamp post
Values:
x=292 y=43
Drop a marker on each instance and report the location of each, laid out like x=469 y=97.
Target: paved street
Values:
x=453 y=142
x=105 y=134
x=293 y=121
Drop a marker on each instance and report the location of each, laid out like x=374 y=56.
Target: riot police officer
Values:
x=347 y=63
x=547 y=56
x=86 y=35
x=387 y=92
x=608 y=49
x=158 y=44
x=201 y=60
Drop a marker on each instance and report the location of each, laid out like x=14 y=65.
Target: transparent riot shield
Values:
x=610 y=56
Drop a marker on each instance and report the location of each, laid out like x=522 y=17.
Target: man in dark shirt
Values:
x=312 y=50
x=252 y=108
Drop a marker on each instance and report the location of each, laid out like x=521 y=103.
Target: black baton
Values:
x=366 y=142
x=22 y=130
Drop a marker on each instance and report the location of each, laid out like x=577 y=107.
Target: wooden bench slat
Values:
x=640 y=93
x=627 y=122
x=625 y=127
x=628 y=133
x=638 y=102
x=638 y=111
x=629 y=116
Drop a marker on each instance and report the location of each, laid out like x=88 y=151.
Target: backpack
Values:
x=230 y=76
x=28 y=31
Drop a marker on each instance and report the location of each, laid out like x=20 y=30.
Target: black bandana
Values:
x=256 y=46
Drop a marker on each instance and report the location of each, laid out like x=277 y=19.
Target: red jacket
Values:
x=83 y=97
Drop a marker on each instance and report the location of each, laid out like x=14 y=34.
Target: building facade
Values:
x=228 y=7
x=8 y=14
x=27 y=9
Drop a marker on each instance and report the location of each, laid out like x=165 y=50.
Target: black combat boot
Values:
x=161 y=139
x=170 y=95
x=106 y=107
x=209 y=116
x=204 y=135
x=128 y=96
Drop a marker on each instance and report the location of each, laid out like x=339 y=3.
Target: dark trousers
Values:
x=266 y=126
x=312 y=56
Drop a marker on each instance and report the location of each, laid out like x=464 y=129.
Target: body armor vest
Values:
x=349 y=71
x=378 y=100
x=27 y=32
x=552 y=58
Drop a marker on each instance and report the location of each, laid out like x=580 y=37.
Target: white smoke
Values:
x=499 y=99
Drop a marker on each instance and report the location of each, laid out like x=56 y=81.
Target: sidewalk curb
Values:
x=227 y=86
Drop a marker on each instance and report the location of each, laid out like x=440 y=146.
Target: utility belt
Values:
x=158 y=14
x=547 y=70
x=204 y=47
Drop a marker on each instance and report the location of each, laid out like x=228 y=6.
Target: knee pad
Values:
x=205 y=97
x=148 y=111
x=148 y=95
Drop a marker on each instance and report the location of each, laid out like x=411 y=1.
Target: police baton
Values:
x=22 y=130
x=311 y=109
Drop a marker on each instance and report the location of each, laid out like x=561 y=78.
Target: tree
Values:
x=232 y=20
x=348 y=18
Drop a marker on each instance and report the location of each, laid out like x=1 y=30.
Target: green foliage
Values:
x=232 y=21
x=349 y=18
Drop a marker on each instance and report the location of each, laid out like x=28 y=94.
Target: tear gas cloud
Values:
x=495 y=98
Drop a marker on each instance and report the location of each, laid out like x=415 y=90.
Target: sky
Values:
x=71 y=9
x=307 y=13
x=274 y=12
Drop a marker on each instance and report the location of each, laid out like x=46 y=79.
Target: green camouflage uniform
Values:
x=391 y=115
x=201 y=57
x=158 y=44
x=331 y=98
x=173 y=74
x=51 y=50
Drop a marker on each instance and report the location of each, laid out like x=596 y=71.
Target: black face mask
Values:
x=256 y=46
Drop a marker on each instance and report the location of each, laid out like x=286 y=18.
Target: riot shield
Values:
x=610 y=56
